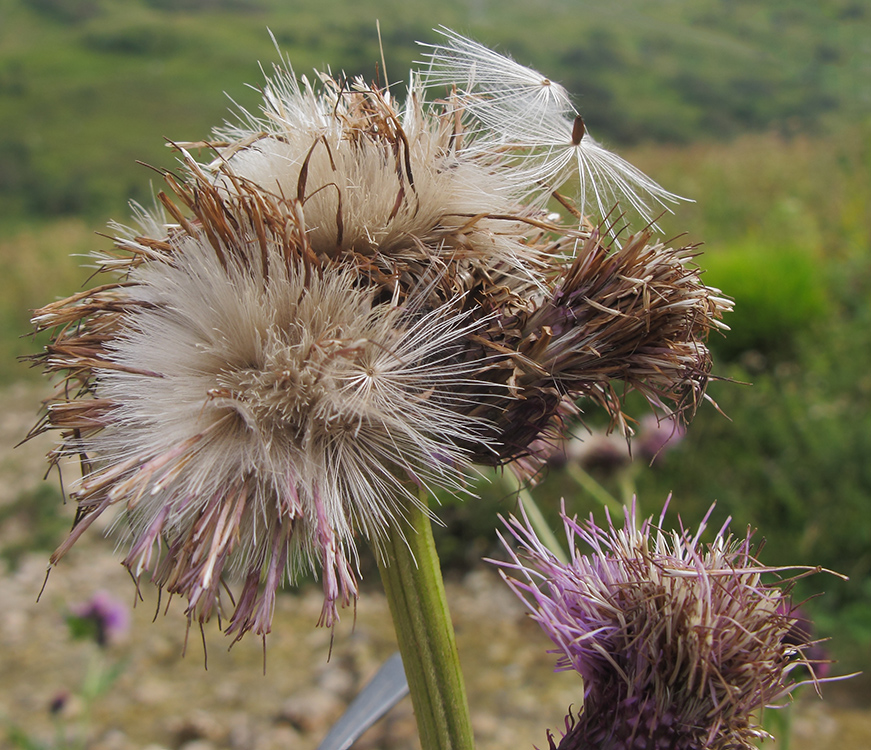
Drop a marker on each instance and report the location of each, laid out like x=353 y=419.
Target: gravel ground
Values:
x=163 y=699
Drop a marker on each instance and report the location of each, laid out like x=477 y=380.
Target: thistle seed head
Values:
x=250 y=410
x=350 y=303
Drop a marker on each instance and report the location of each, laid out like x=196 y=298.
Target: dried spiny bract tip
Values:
x=518 y=111
x=680 y=644
x=350 y=302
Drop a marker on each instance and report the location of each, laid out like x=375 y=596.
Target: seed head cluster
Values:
x=680 y=644
x=348 y=302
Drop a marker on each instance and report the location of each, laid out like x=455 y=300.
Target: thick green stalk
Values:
x=416 y=593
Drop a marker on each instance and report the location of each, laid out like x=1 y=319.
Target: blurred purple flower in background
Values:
x=680 y=643
x=657 y=435
x=102 y=617
x=58 y=702
x=608 y=452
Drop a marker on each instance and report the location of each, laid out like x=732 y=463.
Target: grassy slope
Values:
x=88 y=87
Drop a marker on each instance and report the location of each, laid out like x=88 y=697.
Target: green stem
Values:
x=626 y=480
x=595 y=489
x=413 y=582
x=542 y=530
x=536 y=518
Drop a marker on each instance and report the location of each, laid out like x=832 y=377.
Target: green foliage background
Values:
x=759 y=111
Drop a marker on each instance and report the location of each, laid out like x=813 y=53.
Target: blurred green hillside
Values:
x=87 y=87
x=761 y=112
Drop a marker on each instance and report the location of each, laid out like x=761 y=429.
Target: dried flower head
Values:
x=350 y=302
x=680 y=644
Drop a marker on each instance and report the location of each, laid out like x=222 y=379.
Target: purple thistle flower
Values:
x=103 y=617
x=658 y=435
x=680 y=644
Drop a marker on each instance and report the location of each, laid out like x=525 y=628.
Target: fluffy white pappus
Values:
x=261 y=418
x=375 y=179
x=489 y=83
x=519 y=110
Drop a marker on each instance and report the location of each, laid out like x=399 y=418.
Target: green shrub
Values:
x=779 y=293
x=67 y=11
x=143 y=38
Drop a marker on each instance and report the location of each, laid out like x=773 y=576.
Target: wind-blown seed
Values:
x=517 y=109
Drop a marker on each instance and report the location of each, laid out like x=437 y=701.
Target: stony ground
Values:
x=164 y=700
